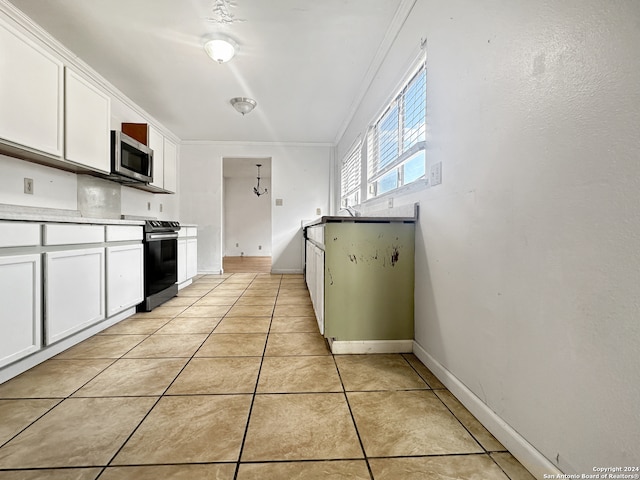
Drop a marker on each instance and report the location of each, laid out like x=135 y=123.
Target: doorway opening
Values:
x=246 y=238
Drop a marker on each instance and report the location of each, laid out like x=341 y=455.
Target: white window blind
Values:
x=350 y=176
x=397 y=139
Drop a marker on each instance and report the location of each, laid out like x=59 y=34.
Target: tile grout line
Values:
x=60 y=400
x=162 y=395
x=434 y=390
x=355 y=426
x=255 y=389
x=69 y=396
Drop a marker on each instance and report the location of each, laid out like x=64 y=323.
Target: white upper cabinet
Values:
x=156 y=143
x=87 y=124
x=30 y=94
x=170 y=166
x=165 y=162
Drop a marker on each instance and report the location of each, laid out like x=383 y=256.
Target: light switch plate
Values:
x=28 y=186
x=279 y=202
x=435 y=174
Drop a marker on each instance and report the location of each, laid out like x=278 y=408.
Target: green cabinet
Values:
x=368 y=284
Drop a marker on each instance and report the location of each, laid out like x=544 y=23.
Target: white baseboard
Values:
x=49 y=351
x=371 y=346
x=186 y=283
x=520 y=448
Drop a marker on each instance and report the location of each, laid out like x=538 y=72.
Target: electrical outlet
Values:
x=148 y=205
x=28 y=186
x=160 y=208
x=259 y=247
x=237 y=245
x=318 y=211
x=390 y=203
x=279 y=202
x=435 y=177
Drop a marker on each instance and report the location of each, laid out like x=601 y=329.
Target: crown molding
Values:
x=398 y=21
x=236 y=143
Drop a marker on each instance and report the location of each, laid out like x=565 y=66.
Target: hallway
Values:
x=231 y=380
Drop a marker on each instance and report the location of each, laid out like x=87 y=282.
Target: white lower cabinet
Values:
x=192 y=257
x=187 y=254
x=182 y=260
x=319 y=271
x=125 y=277
x=315 y=280
x=74 y=291
x=187 y=259
x=21 y=311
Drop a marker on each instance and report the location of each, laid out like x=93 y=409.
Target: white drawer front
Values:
x=121 y=233
x=316 y=234
x=73 y=234
x=192 y=231
x=19 y=234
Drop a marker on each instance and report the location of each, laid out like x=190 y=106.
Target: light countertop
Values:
x=33 y=214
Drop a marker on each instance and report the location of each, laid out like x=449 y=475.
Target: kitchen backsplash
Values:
x=98 y=198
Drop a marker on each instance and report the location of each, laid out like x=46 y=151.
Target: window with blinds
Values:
x=350 y=177
x=396 y=142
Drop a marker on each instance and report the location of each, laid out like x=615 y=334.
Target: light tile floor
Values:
x=231 y=380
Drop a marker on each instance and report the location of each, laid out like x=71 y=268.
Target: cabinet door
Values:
x=74 y=291
x=87 y=118
x=21 y=312
x=170 y=166
x=156 y=143
x=310 y=270
x=125 y=277
x=182 y=260
x=319 y=302
x=30 y=94
x=192 y=257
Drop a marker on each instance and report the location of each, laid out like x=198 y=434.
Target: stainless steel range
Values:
x=160 y=263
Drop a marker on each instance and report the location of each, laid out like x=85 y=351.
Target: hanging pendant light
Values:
x=256 y=189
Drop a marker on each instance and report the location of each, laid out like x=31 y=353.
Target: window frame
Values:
x=375 y=172
x=353 y=161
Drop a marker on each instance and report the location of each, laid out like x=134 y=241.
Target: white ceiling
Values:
x=306 y=62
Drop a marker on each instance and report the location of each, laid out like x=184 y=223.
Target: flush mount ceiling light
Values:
x=220 y=48
x=243 y=105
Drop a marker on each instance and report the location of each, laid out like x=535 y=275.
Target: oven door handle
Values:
x=160 y=236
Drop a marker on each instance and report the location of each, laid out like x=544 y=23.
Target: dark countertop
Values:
x=344 y=219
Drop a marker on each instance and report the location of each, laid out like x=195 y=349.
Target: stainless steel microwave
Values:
x=131 y=161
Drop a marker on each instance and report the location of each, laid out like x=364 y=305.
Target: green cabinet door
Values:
x=369 y=280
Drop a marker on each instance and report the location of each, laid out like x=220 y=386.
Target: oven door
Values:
x=161 y=262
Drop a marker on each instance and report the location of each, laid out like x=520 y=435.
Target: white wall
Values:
x=299 y=176
x=247 y=219
x=52 y=188
x=527 y=260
